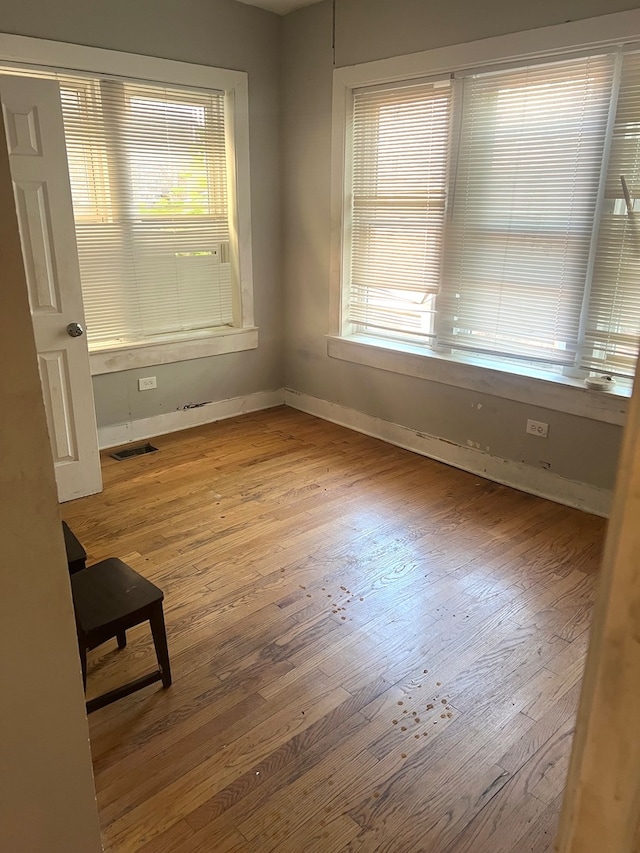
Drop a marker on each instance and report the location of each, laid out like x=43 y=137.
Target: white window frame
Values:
x=244 y=334
x=510 y=381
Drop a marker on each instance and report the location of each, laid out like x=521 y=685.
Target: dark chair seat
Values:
x=109 y=598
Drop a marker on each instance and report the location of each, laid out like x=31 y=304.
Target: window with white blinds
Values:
x=526 y=187
x=148 y=174
x=400 y=145
x=613 y=316
x=495 y=216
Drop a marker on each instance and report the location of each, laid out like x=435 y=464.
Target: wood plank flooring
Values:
x=371 y=651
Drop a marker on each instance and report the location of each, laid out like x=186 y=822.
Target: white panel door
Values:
x=38 y=160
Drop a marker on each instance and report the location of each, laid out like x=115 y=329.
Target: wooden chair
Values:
x=76 y=555
x=109 y=598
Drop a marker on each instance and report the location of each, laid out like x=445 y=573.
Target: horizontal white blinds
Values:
x=527 y=180
x=613 y=320
x=148 y=174
x=400 y=148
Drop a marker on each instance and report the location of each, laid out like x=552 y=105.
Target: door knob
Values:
x=74 y=330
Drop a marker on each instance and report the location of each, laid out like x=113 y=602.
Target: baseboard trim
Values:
x=117 y=434
x=535 y=481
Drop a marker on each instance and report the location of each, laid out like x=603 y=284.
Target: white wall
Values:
x=47 y=799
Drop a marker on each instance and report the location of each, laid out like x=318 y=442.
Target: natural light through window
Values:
x=399 y=187
x=492 y=214
x=148 y=178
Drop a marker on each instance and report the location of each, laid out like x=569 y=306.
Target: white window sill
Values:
x=194 y=345
x=512 y=382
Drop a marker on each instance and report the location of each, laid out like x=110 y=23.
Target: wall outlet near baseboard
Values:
x=538 y=428
x=147 y=383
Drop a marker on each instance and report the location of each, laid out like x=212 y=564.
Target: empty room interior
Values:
x=353 y=287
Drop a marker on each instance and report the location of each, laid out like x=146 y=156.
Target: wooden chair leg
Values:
x=159 y=633
x=122 y=639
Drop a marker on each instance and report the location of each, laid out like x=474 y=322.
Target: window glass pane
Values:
x=613 y=324
x=529 y=167
x=399 y=171
x=149 y=183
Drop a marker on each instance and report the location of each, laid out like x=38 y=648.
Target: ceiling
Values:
x=281 y=7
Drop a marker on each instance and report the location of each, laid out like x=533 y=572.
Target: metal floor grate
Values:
x=128 y=452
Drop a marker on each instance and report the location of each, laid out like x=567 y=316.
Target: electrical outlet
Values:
x=537 y=428
x=147 y=383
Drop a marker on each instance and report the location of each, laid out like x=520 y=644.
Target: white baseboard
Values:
x=116 y=434
x=536 y=481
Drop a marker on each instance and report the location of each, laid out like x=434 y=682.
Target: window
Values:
x=613 y=314
x=491 y=213
x=148 y=173
x=400 y=144
x=158 y=157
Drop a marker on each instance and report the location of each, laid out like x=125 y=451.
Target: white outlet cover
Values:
x=537 y=428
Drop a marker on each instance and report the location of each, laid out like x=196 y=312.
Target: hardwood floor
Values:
x=371 y=651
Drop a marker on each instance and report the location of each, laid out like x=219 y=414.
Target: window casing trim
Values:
x=219 y=341
x=560 y=41
x=63 y=56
